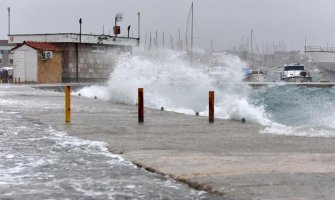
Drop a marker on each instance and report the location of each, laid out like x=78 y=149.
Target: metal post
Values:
x=140 y=105
x=80 y=21
x=8 y=8
x=77 y=53
x=67 y=104
x=211 y=107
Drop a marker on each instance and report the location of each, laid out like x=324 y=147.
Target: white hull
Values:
x=255 y=78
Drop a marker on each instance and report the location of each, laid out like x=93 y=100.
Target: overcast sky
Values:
x=224 y=21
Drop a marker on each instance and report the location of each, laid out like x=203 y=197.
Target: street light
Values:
x=8 y=9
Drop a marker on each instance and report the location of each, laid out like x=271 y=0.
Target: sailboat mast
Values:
x=252 y=56
x=192 y=36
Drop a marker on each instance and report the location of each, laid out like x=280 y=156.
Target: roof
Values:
x=44 y=46
x=61 y=38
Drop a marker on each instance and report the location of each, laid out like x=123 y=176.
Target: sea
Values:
x=40 y=162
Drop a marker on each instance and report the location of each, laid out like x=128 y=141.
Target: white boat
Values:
x=253 y=75
x=295 y=73
x=324 y=58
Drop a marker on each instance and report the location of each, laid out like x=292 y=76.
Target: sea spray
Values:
x=170 y=81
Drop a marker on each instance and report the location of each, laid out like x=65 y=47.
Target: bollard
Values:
x=140 y=105
x=67 y=104
x=211 y=107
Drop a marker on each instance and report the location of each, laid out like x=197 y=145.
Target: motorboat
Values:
x=251 y=75
x=295 y=73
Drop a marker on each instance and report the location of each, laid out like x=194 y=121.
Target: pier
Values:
x=228 y=158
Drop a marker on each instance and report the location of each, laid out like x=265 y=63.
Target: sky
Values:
x=225 y=22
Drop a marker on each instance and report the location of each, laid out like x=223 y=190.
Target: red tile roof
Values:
x=44 y=46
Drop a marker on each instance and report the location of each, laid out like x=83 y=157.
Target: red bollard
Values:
x=140 y=105
x=211 y=107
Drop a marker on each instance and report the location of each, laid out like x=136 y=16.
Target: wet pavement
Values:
x=233 y=159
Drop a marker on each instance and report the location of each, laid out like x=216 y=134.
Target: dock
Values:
x=233 y=159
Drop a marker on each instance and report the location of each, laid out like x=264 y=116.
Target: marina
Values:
x=167 y=100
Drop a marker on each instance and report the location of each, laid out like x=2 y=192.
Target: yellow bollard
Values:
x=211 y=107
x=67 y=104
x=140 y=105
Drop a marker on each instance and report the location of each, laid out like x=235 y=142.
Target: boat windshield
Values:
x=294 y=67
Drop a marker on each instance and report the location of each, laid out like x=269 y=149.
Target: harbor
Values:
x=167 y=100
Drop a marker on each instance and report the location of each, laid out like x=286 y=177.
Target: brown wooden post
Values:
x=211 y=107
x=140 y=105
x=67 y=103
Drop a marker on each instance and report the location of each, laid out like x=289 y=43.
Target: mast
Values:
x=251 y=48
x=192 y=36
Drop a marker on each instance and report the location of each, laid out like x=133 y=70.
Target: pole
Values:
x=179 y=44
x=67 y=104
x=8 y=8
x=251 y=48
x=192 y=37
x=211 y=107
x=139 y=23
x=80 y=21
x=163 y=40
x=77 y=53
x=140 y=105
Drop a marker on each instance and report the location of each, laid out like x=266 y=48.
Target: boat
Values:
x=254 y=76
x=324 y=58
x=295 y=73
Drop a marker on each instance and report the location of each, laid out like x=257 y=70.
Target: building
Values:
x=85 y=57
x=37 y=62
x=6 y=58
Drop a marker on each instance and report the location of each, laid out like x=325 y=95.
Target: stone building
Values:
x=85 y=57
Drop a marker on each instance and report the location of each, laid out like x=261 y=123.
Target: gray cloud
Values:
x=224 y=21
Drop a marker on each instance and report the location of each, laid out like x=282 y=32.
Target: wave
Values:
x=170 y=81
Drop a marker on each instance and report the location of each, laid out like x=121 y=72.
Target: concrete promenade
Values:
x=228 y=157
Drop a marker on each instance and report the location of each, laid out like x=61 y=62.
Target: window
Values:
x=1 y=51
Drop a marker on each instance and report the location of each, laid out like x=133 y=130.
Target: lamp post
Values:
x=8 y=8
x=77 y=54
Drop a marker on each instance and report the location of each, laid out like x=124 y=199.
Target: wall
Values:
x=25 y=64
x=95 y=62
x=49 y=70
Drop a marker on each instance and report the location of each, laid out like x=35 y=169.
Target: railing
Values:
x=319 y=49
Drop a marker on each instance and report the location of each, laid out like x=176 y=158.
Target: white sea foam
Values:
x=170 y=81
